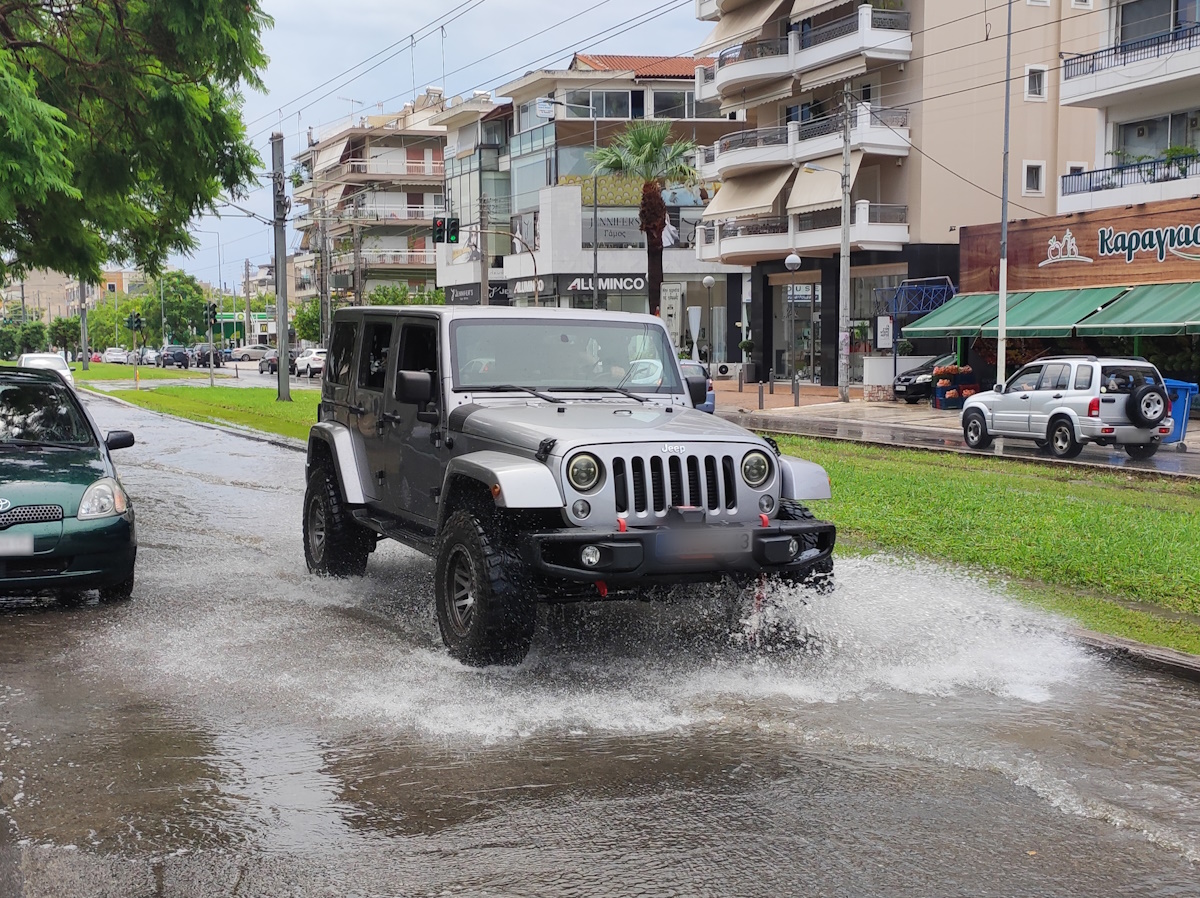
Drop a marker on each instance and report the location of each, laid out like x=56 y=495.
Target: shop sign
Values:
x=529 y=286
x=462 y=295
x=620 y=283
x=1065 y=250
x=616 y=229
x=1159 y=241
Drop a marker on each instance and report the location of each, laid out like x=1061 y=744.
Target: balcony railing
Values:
x=883 y=213
x=377 y=257
x=1133 y=174
x=763 y=137
x=1132 y=51
x=762 y=49
x=890 y=19
x=708 y=74
x=385 y=213
x=753 y=227
x=422 y=169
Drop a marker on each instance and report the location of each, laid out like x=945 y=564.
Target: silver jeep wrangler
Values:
x=541 y=455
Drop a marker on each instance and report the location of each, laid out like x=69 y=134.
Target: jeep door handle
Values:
x=389 y=418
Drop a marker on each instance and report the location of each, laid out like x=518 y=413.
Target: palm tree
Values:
x=644 y=151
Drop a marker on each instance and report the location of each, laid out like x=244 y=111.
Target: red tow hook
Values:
x=766 y=521
x=602 y=588
x=622 y=527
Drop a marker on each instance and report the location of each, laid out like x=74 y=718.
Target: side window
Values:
x=372 y=362
x=1025 y=379
x=1055 y=378
x=1083 y=377
x=341 y=352
x=419 y=350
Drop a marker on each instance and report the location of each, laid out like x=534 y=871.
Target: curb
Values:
x=1169 y=661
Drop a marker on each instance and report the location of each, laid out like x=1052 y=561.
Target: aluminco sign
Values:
x=1159 y=241
x=618 y=284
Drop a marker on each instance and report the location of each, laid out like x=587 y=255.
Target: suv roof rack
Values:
x=1086 y=358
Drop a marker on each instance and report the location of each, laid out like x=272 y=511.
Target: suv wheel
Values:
x=1147 y=405
x=483 y=613
x=1141 y=451
x=1062 y=439
x=820 y=576
x=975 y=432
x=334 y=544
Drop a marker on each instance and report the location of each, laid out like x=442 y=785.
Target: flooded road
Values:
x=240 y=728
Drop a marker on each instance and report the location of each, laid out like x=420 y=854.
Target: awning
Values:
x=833 y=73
x=1159 y=310
x=747 y=195
x=1052 y=313
x=963 y=316
x=805 y=9
x=330 y=155
x=772 y=92
x=821 y=188
x=741 y=24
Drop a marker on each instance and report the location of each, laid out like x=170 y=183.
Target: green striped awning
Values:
x=1158 y=310
x=963 y=316
x=1052 y=313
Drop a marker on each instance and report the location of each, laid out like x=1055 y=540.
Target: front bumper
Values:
x=633 y=556
x=89 y=555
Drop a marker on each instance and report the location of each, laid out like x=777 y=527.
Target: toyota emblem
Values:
x=5 y=505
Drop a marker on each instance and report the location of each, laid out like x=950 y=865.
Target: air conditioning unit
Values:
x=726 y=370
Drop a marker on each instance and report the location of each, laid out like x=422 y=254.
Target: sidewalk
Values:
x=919 y=426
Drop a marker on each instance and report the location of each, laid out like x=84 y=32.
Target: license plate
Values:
x=12 y=546
x=900 y=388
x=683 y=544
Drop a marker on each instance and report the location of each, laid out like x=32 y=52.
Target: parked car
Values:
x=50 y=361
x=200 y=354
x=66 y=523
x=143 y=356
x=252 y=352
x=95 y=357
x=1066 y=402
x=696 y=369
x=116 y=355
x=175 y=355
x=269 y=363
x=916 y=384
x=311 y=363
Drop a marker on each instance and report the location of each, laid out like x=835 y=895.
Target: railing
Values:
x=389 y=213
x=708 y=74
x=753 y=227
x=763 y=137
x=754 y=50
x=374 y=257
x=1131 y=175
x=891 y=118
x=890 y=19
x=709 y=154
x=830 y=31
x=820 y=220
x=882 y=213
x=1132 y=51
x=422 y=169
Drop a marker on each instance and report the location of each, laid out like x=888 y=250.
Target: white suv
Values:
x=1065 y=402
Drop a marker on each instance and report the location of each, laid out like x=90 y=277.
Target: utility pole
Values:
x=323 y=282
x=358 y=291
x=485 y=289
x=1002 y=320
x=595 y=220
x=282 y=207
x=844 y=260
x=83 y=336
x=246 y=288
x=24 y=318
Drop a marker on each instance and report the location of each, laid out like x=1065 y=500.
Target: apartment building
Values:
x=922 y=82
x=46 y=295
x=577 y=241
x=371 y=190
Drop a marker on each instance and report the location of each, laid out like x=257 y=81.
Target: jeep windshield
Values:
x=562 y=356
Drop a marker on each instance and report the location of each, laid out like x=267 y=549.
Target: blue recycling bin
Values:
x=1181 y=394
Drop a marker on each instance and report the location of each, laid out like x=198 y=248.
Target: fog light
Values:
x=590 y=556
x=766 y=504
x=581 y=509
x=793 y=547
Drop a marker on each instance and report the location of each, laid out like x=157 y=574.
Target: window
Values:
x=1024 y=380
x=1035 y=82
x=1037 y=2
x=1151 y=137
x=341 y=352
x=672 y=103
x=372 y=362
x=1081 y=4
x=1057 y=377
x=1076 y=168
x=597 y=104
x=1035 y=182
x=1146 y=18
x=1083 y=377
x=418 y=351
x=527 y=116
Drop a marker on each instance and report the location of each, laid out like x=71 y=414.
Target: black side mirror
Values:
x=118 y=439
x=414 y=387
x=999 y=388
x=697 y=389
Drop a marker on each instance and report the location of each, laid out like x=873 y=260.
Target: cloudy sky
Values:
x=487 y=43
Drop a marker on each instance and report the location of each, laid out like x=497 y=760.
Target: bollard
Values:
x=741 y=379
x=796 y=392
x=760 y=395
x=771 y=380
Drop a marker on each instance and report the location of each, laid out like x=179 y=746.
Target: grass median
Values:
x=1089 y=544
x=99 y=371
x=255 y=408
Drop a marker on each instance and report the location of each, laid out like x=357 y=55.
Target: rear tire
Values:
x=335 y=545
x=245 y=357
x=1141 y=451
x=1061 y=437
x=484 y=612
x=975 y=432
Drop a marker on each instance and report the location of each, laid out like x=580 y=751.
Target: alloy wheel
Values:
x=461 y=587
x=316 y=529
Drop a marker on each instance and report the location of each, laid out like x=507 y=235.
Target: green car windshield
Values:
x=550 y=354
x=41 y=413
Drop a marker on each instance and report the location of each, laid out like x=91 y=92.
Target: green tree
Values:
x=9 y=341
x=120 y=121
x=399 y=295
x=307 y=321
x=644 y=151
x=64 y=333
x=32 y=337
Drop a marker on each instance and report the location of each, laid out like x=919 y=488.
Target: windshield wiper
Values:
x=40 y=444
x=513 y=388
x=594 y=389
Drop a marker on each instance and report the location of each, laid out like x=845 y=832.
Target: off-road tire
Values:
x=497 y=627
x=975 y=432
x=1147 y=405
x=335 y=545
x=1141 y=451
x=820 y=575
x=1061 y=439
x=119 y=592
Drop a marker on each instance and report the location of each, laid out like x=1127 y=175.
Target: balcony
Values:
x=882 y=132
x=357 y=171
x=878 y=227
x=707 y=10
x=1135 y=182
x=385 y=258
x=1132 y=70
x=869 y=34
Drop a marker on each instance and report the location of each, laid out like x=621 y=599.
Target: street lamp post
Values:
x=709 y=281
x=1002 y=320
x=212 y=347
x=792 y=263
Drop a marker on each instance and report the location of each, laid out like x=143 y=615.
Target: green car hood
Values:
x=49 y=476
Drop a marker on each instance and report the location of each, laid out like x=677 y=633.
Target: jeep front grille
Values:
x=30 y=514
x=648 y=486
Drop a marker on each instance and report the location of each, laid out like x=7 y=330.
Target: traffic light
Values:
x=212 y=314
x=138 y=324
x=452 y=231
x=129 y=322
x=439 y=229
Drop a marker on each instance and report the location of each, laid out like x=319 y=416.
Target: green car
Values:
x=66 y=523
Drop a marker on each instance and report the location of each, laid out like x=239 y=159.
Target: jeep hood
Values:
x=574 y=424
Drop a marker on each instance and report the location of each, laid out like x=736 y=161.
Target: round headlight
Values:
x=756 y=468
x=584 y=472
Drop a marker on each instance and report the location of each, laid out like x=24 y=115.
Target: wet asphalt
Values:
x=242 y=728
